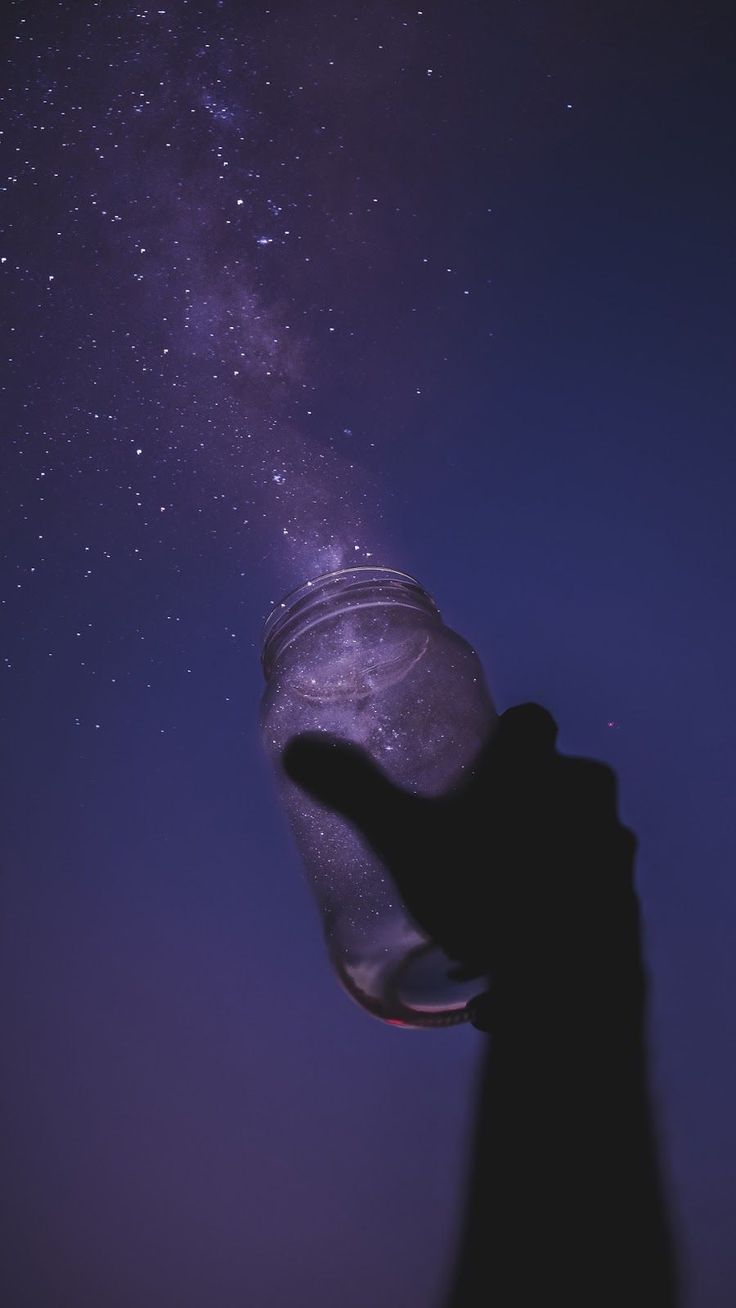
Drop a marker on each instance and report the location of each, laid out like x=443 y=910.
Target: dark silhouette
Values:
x=525 y=876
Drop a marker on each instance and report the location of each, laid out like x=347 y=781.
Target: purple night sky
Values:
x=292 y=288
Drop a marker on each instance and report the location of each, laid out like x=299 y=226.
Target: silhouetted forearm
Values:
x=565 y=1202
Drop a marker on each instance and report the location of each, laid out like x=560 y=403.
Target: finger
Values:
x=524 y=737
x=592 y=790
x=528 y=727
x=480 y=1011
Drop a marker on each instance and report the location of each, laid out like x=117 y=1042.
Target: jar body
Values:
x=364 y=655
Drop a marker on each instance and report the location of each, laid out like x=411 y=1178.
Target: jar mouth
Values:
x=335 y=593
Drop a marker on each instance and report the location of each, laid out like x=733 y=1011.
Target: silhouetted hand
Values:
x=522 y=873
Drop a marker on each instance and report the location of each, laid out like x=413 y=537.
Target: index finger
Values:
x=523 y=739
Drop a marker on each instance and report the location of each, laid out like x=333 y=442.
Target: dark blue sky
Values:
x=474 y=316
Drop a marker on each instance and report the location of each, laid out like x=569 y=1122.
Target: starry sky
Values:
x=287 y=289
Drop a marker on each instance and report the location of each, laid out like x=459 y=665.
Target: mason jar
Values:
x=363 y=654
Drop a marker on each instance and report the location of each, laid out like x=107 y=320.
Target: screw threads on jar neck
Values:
x=336 y=593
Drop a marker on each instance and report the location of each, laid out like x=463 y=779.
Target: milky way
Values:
x=177 y=242
x=229 y=297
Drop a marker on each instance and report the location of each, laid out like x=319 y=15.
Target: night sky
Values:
x=447 y=289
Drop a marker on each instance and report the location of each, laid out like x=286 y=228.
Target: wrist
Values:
x=563 y=1008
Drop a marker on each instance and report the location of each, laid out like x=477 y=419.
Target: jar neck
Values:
x=334 y=594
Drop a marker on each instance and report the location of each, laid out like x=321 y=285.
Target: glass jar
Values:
x=363 y=654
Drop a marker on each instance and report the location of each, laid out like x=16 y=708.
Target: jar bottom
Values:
x=416 y=991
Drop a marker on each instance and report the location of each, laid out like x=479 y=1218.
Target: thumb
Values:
x=405 y=830
x=344 y=777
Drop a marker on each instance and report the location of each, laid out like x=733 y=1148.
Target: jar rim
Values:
x=307 y=604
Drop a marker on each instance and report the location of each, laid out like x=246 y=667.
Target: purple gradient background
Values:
x=192 y=1112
